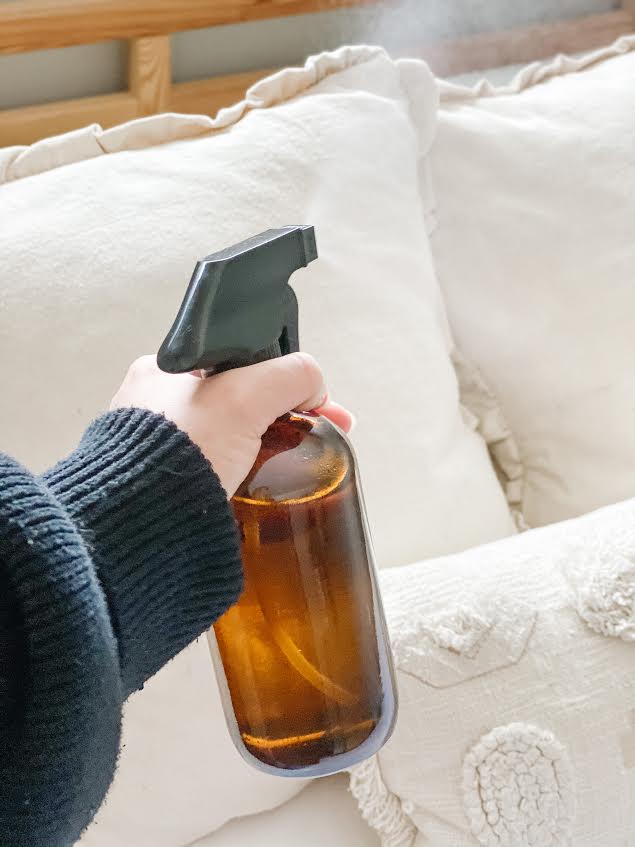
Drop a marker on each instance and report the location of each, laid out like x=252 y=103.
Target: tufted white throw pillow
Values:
x=516 y=671
x=534 y=249
x=100 y=232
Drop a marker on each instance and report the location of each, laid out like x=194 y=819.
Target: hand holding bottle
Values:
x=227 y=415
x=302 y=658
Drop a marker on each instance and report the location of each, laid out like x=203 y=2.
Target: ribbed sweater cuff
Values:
x=161 y=533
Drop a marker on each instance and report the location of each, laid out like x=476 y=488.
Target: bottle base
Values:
x=316 y=754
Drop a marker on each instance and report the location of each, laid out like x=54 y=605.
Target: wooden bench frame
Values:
x=27 y=25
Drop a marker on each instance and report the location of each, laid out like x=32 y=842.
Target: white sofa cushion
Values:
x=324 y=814
x=100 y=232
x=534 y=249
x=516 y=671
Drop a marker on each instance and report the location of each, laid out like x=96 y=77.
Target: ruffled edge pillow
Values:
x=481 y=409
x=382 y=809
x=477 y=398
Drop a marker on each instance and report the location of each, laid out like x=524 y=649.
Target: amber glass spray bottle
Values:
x=302 y=659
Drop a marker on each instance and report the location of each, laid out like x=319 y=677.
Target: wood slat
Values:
x=30 y=123
x=493 y=50
x=150 y=73
x=36 y=24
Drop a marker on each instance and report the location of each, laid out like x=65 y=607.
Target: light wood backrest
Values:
x=146 y=25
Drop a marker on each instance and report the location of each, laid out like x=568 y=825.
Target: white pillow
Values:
x=516 y=671
x=96 y=257
x=534 y=249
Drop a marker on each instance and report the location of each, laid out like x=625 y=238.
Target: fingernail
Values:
x=353 y=421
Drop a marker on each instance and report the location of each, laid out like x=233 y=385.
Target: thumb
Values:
x=281 y=385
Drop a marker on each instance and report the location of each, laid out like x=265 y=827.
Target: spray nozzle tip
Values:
x=308 y=241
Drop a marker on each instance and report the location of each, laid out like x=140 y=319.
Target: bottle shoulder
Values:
x=303 y=457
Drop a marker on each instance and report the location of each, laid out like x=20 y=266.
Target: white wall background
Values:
x=100 y=68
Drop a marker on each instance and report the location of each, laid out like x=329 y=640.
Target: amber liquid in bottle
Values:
x=304 y=652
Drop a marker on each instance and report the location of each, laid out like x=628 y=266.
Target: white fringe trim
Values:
x=380 y=808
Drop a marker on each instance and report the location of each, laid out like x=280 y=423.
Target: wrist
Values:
x=160 y=530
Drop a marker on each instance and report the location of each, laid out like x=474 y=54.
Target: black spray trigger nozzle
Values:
x=239 y=307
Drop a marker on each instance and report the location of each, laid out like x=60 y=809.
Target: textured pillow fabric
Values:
x=100 y=232
x=534 y=250
x=516 y=671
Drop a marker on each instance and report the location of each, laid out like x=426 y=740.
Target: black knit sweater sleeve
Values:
x=110 y=564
